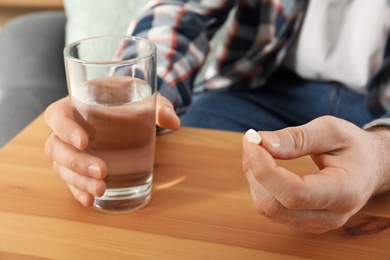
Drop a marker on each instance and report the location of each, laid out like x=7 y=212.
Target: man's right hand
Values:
x=84 y=173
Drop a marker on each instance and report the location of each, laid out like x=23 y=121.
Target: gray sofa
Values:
x=32 y=73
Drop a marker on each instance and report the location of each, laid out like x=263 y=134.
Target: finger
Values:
x=74 y=159
x=315 y=221
x=323 y=135
x=320 y=190
x=86 y=184
x=258 y=192
x=58 y=116
x=166 y=116
x=84 y=198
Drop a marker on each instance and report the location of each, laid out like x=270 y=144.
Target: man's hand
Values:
x=82 y=172
x=353 y=165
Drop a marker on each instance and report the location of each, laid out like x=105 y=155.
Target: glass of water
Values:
x=112 y=86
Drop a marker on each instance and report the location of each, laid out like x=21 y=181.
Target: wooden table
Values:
x=201 y=209
x=32 y=3
x=10 y=9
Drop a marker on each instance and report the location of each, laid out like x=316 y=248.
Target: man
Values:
x=306 y=74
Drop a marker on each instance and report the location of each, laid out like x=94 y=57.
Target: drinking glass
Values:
x=112 y=86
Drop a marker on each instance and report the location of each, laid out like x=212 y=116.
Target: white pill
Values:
x=253 y=136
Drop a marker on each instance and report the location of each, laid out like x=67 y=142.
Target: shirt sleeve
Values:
x=382 y=121
x=181 y=31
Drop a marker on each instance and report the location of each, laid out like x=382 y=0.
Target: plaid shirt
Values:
x=258 y=34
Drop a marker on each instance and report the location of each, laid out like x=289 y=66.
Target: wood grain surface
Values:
x=32 y=3
x=201 y=208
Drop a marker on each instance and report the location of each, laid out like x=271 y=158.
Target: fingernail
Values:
x=94 y=171
x=75 y=139
x=271 y=139
x=253 y=136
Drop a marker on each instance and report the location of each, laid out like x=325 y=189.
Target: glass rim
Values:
x=118 y=62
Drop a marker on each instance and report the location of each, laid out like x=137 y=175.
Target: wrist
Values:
x=382 y=145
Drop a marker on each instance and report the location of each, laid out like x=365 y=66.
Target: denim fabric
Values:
x=251 y=44
x=286 y=100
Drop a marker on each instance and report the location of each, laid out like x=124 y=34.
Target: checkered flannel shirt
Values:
x=258 y=34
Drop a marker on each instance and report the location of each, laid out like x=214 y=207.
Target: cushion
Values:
x=87 y=18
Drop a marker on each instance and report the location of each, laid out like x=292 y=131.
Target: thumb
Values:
x=322 y=135
x=165 y=115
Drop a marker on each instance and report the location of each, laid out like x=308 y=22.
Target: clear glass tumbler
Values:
x=112 y=86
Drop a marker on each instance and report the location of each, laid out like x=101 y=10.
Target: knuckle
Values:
x=337 y=222
x=332 y=121
x=298 y=138
x=272 y=208
x=296 y=199
x=78 y=183
x=61 y=130
x=258 y=208
x=56 y=168
x=340 y=129
x=47 y=114
x=245 y=163
x=315 y=230
x=51 y=147
x=59 y=170
x=48 y=148
x=73 y=164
